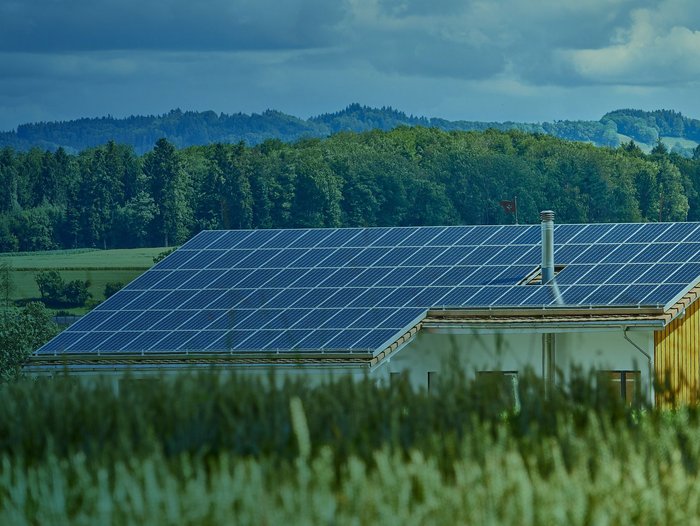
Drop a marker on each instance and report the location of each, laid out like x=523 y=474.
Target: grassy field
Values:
x=220 y=450
x=670 y=142
x=98 y=266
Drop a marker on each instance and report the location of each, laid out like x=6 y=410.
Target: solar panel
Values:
x=229 y=239
x=146 y=320
x=648 y=232
x=607 y=253
x=176 y=259
x=172 y=341
x=354 y=289
x=426 y=276
x=281 y=240
x=147 y=280
x=421 y=236
x=346 y=339
x=684 y=273
x=88 y=323
x=117 y=341
x=590 y=233
x=341 y=277
x=619 y=233
x=309 y=238
x=229 y=319
x=567 y=254
x=479 y=235
x=452 y=255
x=228 y=278
x=367 y=237
x=201 y=319
x=398 y=276
x=201 y=259
x=564 y=233
x=209 y=341
x=206 y=238
x=449 y=236
x=339 y=237
x=616 y=253
x=423 y=256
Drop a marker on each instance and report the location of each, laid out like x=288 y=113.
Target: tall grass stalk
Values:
x=218 y=449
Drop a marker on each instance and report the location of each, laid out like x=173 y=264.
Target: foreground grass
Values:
x=98 y=266
x=213 y=450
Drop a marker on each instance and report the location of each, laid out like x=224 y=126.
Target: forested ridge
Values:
x=190 y=128
x=109 y=197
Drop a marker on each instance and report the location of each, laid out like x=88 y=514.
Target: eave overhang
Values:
x=546 y=318
x=72 y=362
x=501 y=318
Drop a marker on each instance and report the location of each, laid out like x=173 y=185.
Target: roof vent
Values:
x=547 y=217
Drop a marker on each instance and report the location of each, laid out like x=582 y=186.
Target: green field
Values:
x=233 y=450
x=97 y=266
x=670 y=142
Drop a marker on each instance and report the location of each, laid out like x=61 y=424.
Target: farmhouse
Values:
x=619 y=298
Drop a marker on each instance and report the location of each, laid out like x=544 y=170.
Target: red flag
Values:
x=509 y=207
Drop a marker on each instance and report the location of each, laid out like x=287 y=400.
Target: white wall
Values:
x=431 y=350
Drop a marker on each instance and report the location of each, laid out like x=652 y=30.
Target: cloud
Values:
x=89 y=25
x=490 y=60
x=480 y=39
x=659 y=47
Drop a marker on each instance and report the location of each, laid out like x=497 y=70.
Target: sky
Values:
x=486 y=60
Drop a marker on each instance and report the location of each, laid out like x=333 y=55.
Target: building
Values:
x=616 y=297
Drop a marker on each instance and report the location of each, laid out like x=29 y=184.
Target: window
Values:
x=625 y=383
x=432 y=379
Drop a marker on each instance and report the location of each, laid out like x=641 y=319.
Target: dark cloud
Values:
x=471 y=59
x=80 y=25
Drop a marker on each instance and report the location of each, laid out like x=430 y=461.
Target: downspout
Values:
x=650 y=363
x=547 y=271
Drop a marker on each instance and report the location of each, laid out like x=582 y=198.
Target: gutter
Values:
x=543 y=325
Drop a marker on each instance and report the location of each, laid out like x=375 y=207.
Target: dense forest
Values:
x=109 y=197
x=191 y=128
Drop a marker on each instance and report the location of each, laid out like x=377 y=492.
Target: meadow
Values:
x=98 y=266
x=211 y=449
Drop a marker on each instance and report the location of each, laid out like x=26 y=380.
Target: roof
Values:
x=355 y=292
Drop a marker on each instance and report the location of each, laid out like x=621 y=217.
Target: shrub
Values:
x=76 y=292
x=55 y=291
x=160 y=257
x=51 y=285
x=21 y=332
x=112 y=287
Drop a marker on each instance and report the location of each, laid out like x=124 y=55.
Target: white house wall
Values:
x=433 y=350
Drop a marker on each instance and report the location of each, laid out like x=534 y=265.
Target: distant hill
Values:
x=188 y=128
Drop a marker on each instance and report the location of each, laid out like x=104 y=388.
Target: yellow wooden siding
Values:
x=676 y=357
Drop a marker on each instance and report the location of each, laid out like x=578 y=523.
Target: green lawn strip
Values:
x=58 y=259
x=98 y=266
x=25 y=285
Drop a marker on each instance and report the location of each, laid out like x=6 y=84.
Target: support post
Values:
x=549 y=365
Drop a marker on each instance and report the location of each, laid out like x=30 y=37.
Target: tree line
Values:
x=110 y=197
x=190 y=128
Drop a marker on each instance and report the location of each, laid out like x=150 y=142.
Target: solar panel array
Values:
x=358 y=289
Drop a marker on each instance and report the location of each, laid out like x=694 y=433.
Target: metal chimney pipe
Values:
x=547 y=217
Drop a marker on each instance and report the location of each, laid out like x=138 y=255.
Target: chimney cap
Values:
x=547 y=215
